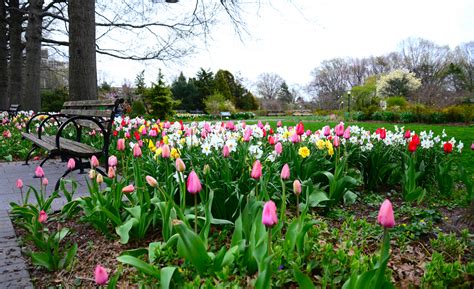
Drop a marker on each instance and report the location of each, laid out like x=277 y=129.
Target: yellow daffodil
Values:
x=304 y=152
x=151 y=146
x=175 y=153
x=165 y=139
x=157 y=153
x=320 y=144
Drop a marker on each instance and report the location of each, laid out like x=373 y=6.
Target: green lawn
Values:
x=461 y=132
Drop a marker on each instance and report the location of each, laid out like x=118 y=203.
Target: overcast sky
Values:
x=291 y=37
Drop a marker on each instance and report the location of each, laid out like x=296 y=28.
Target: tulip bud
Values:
x=269 y=215
x=256 y=170
x=128 y=189
x=285 y=172
x=193 y=184
x=92 y=174
x=339 y=129
x=165 y=151
x=39 y=173
x=151 y=181
x=45 y=182
x=121 y=144
x=347 y=133
x=112 y=161
x=94 y=162
x=137 y=152
x=297 y=187
x=99 y=179
x=19 y=184
x=180 y=166
x=207 y=169
x=111 y=173
x=225 y=151
x=386 y=217
x=71 y=164
x=42 y=217
x=101 y=275
x=278 y=148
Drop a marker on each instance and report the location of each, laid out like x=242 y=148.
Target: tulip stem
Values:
x=195 y=213
x=283 y=201
x=269 y=241
x=297 y=206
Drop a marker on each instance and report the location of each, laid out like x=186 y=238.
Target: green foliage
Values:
x=284 y=95
x=138 y=108
x=364 y=96
x=160 y=99
x=52 y=100
x=407 y=116
x=450 y=246
x=397 y=101
x=140 y=89
x=397 y=83
x=442 y=274
x=216 y=103
x=187 y=92
x=359 y=116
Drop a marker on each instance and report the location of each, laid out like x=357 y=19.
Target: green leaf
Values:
x=59 y=236
x=42 y=259
x=142 y=266
x=349 y=198
x=303 y=281
x=67 y=260
x=135 y=252
x=136 y=212
x=124 y=230
x=153 y=247
x=191 y=247
x=229 y=256
x=265 y=275
x=113 y=281
x=167 y=276
x=237 y=235
x=316 y=198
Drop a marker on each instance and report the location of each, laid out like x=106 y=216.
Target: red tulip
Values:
x=101 y=275
x=448 y=147
x=412 y=146
x=269 y=215
x=300 y=128
x=385 y=217
x=407 y=134
x=193 y=184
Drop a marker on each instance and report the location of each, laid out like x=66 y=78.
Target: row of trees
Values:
x=78 y=30
x=447 y=76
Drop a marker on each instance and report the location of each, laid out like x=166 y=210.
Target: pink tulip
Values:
x=225 y=151
x=326 y=130
x=153 y=133
x=151 y=181
x=308 y=132
x=45 y=182
x=339 y=129
x=230 y=125
x=39 y=173
x=347 y=133
x=193 y=184
x=260 y=124
x=137 y=151
x=256 y=170
x=279 y=123
x=247 y=135
x=472 y=146
x=128 y=189
x=94 y=162
x=269 y=215
x=121 y=144
x=112 y=161
x=285 y=172
x=336 y=142
x=111 y=173
x=407 y=134
x=278 y=148
x=165 y=151
x=144 y=132
x=71 y=164
x=297 y=187
x=42 y=217
x=180 y=166
x=295 y=138
x=19 y=184
x=385 y=217
x=300 y=128
x=101 y=275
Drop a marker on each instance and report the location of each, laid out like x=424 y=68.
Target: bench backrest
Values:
x=14 y=108
x=105 y=110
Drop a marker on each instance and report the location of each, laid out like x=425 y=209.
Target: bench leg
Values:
x=33 y=148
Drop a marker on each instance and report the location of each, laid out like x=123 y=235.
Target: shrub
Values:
x=454 y=113
x=216 y=103
x=395 y=101
x=389 y=116
x=437 y=117
x=243 y=115
x=377 y=115
x=138 y=108
x=407 y=116
x=359 y=116
x=53 y=100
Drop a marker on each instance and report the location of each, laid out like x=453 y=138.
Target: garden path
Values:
x=13 y=272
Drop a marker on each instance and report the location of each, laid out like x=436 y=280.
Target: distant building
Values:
x=54 y=73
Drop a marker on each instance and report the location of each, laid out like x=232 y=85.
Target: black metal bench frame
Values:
x=83 y=116
x=13 y=110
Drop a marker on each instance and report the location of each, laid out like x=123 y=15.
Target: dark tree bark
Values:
x=82 y=50
x=32 y=97
x=15 y=68
x=4 y=99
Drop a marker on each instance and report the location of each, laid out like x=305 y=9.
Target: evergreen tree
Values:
x=187 y=92
x=284 y=95
x=140 y=84
x=160 y=99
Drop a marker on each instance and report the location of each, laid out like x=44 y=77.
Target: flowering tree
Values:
x=397 y=83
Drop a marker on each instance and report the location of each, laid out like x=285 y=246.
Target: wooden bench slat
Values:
x=90 y=103
x=69 y=146
x=91 y=112
x=43 y=142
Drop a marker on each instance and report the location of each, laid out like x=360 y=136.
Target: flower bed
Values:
x=235 y=205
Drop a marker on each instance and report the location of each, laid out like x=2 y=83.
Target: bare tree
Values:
x=268 y=85
x=4 y=99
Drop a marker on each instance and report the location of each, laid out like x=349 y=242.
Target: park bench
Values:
x=275 y=113
x=13 y=110
x=225 y=114
x=66 y=141
x=301 y=112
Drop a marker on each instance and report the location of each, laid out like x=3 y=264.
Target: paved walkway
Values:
x=13 y=272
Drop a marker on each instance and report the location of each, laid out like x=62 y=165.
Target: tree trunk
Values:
x=82 y=50
x=32 y=97
x=4 y=99
x=15 y=68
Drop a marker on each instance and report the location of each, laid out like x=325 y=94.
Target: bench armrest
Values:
x=32 y=118
x=73 y=120
x=55 y=116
